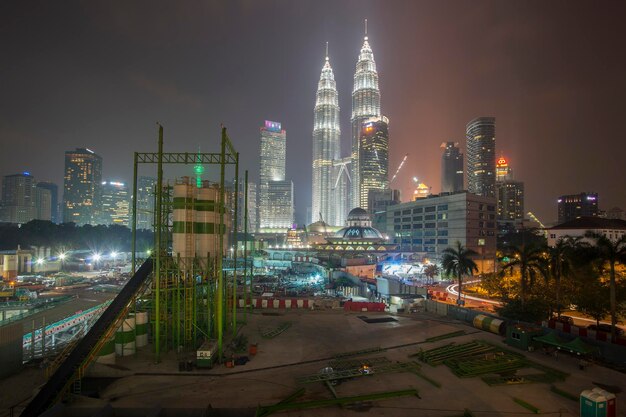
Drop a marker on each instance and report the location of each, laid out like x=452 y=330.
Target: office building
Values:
x=365 y=105
x=18 y=198
x=145 y=202
x=510 y=197
x=82 y=186
x=55 y=216
x=429 y=225
x=481 y=162
x=280 y=194
x=115 y=203
x=272 y=170
x=373 y=157
x=252 y=207
x=379 y=202
x=326 y=145
x=575 y=206
x=43 y=203
x=451 y=168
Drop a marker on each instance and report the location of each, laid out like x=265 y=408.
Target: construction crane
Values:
x=534 y=218
x=399 y=168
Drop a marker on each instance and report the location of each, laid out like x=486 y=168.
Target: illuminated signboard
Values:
x=272 y=126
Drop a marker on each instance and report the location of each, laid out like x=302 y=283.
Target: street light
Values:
x=62 y=256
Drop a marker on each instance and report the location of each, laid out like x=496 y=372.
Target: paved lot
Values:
x=320 y=335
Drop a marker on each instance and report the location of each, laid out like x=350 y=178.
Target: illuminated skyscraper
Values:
x=481 y=158
x=272 y=161
x=503 y=170
x=115 y=199
x=373 y=158
x=575 y=206
x=365 y=105
x=451 y=168
x=145 y=202
x=81 y=186
x=326 y=147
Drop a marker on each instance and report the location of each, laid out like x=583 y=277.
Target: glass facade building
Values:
x=481 y=160
x=575 y=206
x=54 y=200
x=82 y=186
x=115 y=203
x=18 y=203
x=326 y=148
x=365 y=105
x=373 y=158
x=451 y=168
x=280 y=194
x=145 y=202
x=272 y=169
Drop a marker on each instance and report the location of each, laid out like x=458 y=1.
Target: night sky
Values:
x=101 y=74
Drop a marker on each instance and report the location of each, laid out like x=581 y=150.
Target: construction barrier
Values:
x=278 y=303
x=583 y=332
x=438 y=295
x=363 y=306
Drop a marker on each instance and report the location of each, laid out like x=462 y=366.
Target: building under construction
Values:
x=178 y=297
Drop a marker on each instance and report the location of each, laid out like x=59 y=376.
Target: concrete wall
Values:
x=10 y=349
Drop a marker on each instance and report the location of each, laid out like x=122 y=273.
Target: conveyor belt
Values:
x=87 y=348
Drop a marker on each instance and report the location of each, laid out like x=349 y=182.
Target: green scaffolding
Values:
x=189 y=299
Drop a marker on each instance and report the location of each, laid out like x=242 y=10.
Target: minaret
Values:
x=326 y=145
x=365 y=105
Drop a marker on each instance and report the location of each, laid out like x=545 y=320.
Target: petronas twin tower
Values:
x=337 y=181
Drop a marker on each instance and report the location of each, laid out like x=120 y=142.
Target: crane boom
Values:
x=533 y=217
x=399 y=168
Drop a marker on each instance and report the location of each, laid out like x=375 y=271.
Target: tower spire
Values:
x=366 y=29
x=326 y=50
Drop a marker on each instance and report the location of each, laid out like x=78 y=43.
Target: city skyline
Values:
x=524 y=80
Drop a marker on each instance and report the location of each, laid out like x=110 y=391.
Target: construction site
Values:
x=183 y=337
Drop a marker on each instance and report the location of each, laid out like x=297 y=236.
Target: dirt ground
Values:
x=306 y=347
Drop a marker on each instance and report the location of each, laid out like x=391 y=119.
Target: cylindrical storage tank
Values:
x=207 y=219
x=182 y=205
x=489 y=324
x=107 y=352
x=141 y=328
x=125 y=337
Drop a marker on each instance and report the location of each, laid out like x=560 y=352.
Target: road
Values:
x=579 y=319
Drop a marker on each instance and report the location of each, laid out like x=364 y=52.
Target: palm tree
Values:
x=431 y=271
x=457 y=261
x=610 y=252
x=560 y=259
x=531 y=262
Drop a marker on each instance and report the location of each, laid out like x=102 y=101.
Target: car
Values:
x=603 y=327
x=564 y=320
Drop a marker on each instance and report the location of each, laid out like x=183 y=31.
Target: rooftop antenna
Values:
x=365 y=29
x=326 y=50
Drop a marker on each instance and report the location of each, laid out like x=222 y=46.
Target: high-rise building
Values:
x=114 y=203
x=378 y=204
x=365 y=105
x=81 y=186
x=272 y=169
x=451 y=168
x=373 y=157
x=575 y=206
x=326 y=145
x=145 y=202
x=510 y=196
x=18 y=198
x=503 y=170
x=341 y=189
x=280 y=193
x=252 y=207
x=54 y=200
x=43 y=203
x=481 y=161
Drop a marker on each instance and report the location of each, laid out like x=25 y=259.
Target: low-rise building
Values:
x=429 y=225
x=613 y=229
